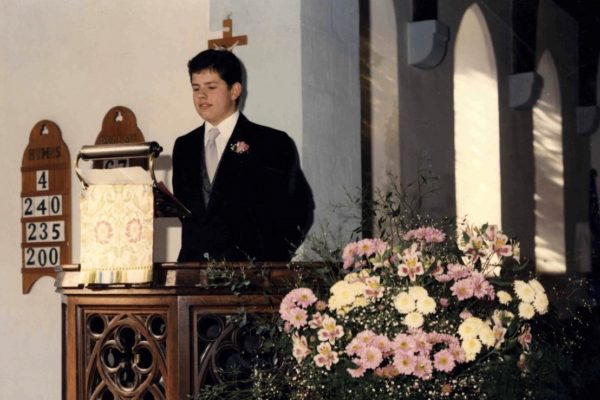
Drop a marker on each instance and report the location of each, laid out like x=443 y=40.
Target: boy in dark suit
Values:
x=242 y=181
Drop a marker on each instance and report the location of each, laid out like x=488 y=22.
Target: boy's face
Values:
x=214 y=101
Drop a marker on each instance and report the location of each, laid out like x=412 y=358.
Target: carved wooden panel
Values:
x=224 y=351
x=124 y=354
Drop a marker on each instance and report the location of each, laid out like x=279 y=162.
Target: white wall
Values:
x=331 y=112
x=71 y=61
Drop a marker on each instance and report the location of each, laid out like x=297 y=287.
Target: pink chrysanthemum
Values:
x=357 y=372
x=382 y=343
x=481 y=287
x=370 y=357
x=303 y=297
x=443 y=278
x=423 y=368
x=349 y=254
x=426 y=234
x=404 y=343
x=443 y=361
x=354 y=347
x=389 y=371
x=422 y=344
x=297 y=317
x=366 y=247
x=463 y=289
x=457 y=352
x=458 y=271
x=405 y=363
x=366 y=337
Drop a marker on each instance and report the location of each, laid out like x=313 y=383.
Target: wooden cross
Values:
x=228 y=41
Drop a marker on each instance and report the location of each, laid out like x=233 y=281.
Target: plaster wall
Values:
x=71 y=62
x=331 y=112
x=383 y=63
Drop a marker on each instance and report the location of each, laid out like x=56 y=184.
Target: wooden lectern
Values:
x=166 y=339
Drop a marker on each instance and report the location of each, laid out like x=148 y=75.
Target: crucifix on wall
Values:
x=228 y=41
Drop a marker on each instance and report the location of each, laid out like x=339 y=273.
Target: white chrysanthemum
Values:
x=404 y=303
x=417 y=292
x=472 y=347
x=524 y=291
x=470 y=328
x=342 y=295
x=334 y=302
x=426 y=305
x=526 y=310
x=351 y=277
x=537 y=286
x=486 y=334
x=541 y=303
x=358 y=288
x=414 y=320
x=503 y=297
x=360 y=301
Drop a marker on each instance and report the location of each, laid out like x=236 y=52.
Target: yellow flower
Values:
x=472 y=347
x=364 y=273
x=351 y=277
x=343 y=294
x=426 y=305
x=504 y=297
x=524 y=291
x=470 y=328
x=537 y=286
x=413 y=320
x=360 y=301
x=526 y=310
x=486 y=334
x=417 y=292
x=404 y=303
x=541 y=303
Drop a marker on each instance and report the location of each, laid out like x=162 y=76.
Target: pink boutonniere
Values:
x=240 y=147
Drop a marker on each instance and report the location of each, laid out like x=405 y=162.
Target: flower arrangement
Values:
x=428 y=317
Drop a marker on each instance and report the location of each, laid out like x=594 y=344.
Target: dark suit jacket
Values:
x=261 y=205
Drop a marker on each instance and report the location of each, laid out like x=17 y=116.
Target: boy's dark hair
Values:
x=223 y=62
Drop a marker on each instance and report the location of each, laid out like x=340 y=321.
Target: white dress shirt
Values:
x=225 y=128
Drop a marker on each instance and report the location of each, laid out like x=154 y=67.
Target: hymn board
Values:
x=46 y=190
x=45 y=203
x=120 y=126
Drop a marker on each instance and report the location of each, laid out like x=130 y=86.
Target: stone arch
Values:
x=476 y=122
x=549 y=172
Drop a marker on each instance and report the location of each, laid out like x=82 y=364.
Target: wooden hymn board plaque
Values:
x=120 y=126
x=46 y=203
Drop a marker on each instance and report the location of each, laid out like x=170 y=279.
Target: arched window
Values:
x=549 y=167
x=476 y=125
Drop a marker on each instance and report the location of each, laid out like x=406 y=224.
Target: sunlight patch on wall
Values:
x=476 y=122
x=549 y=180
